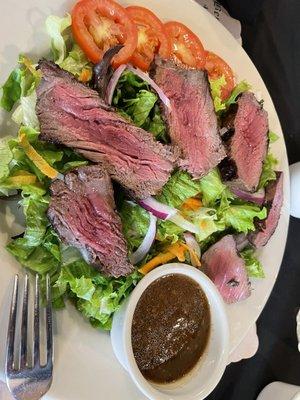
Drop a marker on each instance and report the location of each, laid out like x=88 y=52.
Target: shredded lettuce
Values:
x=6 y=157
x=241 y=216
x=76 y=62
x=216 y=92
x=57 y=30
x=207 y=220
x=240 y=88
x=211 y=187
x=134 y=100
x=20 y=83
x=179 y=187
x=139 y=107
x=11 y=90
x=135 y=223
x=273 y=137
x=97 y=297
x=253 y=265
x=268 y=171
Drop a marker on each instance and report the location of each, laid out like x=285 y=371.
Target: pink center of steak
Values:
x=73 y=115
x=248 y=147
x=82 y=211
x=192 y=120
x=227 y=270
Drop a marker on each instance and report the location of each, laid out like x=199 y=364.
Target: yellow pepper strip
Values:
x=36 y=158
x=194 y=258
x=178 y=249
x=191 y=204
x=175 y=250
x=161 y=258
x=85 y=75
x=19 y=180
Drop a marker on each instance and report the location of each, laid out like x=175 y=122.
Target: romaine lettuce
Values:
x=57 y=30
x=179 y=187
x=135 y=101
x=268 y=170
x=253 y=265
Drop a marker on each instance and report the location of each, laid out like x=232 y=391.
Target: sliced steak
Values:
x=226 y=269
x=82 y=211
x=273 y=201
x=246 y=140
x=191 y=118
x=72 y=114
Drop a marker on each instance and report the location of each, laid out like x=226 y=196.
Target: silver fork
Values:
x=28 y=382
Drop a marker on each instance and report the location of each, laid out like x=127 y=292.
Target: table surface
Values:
x=272 y=42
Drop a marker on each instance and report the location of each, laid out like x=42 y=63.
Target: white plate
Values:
x=84 y=362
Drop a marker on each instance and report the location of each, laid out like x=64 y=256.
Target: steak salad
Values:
x=135 y=147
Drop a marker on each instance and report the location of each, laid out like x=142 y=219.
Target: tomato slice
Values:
x=186 y=46
x=152 y=37
x=98 y=25
x=216 y=67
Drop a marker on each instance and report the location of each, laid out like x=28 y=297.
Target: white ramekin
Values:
x=209 y=370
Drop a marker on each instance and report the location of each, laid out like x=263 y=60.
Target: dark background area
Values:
x=271 y=37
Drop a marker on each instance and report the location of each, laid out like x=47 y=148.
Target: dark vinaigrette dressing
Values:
x=170 y=328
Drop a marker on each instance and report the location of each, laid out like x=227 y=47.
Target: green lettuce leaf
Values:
x=212 y=188
x=207 y=220
x=241 y=216
x=268 y=174
x=216 y=90
x=240 y=88
x=272 y=137
x=97 y=297
x=25 y=113
x=136 y=102
x=76 y=61
x=179 y=187
x=156 y=125
x=135 y=223
x=57 y=30
x=21 y=86
x=6 y=157
x=168 y=231
x=139 y=107
x=253 y=265
x=11 y=90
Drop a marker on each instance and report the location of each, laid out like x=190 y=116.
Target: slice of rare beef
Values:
x=72 y=114
x=82 y=211
x=246 y=141
x=273 y=202
x=226 y=269
x=191 y=117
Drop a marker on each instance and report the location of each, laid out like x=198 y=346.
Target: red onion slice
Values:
x=192 y=243
x=146 y=244
x=257 y=197
x=160 y=210
x=145 y=77
x=113 y=83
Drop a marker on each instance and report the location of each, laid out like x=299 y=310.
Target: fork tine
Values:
x=24 y=325
x=49 y=330
x=9 y=364
x=36 y=323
